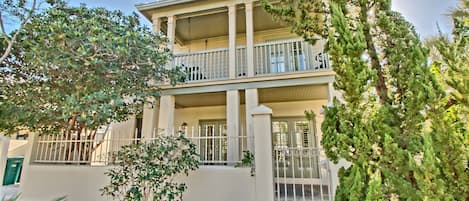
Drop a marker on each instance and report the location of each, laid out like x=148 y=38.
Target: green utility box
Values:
x=13 y=170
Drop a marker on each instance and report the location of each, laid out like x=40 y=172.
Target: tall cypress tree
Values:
x=450 y=118
x=384 y=124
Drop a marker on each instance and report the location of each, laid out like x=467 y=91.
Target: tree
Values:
x=146 y=171
x=451 y=116
x=75 y=69
x=20 y=11
x=385 y=123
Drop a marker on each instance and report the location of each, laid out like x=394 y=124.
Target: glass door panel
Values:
x=213 y=140
x=295 y=148
x=280 y=134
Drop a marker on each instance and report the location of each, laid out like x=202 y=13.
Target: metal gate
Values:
x=301 y=170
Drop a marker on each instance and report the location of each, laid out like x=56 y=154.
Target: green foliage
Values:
x=306 y=17
x=392 y=125
x=310 y=115
x=145 y=171
x=76 y=68
x=451 y=115
x=16 y=13
x=247 y=161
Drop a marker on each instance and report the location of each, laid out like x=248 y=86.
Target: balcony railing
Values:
x=211 y=142
x=269 y=58
x=205 y=65
x=288 y=56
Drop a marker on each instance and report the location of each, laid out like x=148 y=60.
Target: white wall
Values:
x=17 y=148
x=222 y=41
x=219 y=183
x=296 y=108
x=46 y=182
x=123 y=130
x=192 y=115
x=82 y=183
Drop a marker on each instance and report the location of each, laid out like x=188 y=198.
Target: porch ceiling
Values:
x=293 y=93
x=203 y=99
x=216 y=24
x=266 y=95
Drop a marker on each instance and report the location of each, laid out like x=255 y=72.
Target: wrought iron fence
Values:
x=301 y=174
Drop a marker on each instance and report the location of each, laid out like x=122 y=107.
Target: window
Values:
x=295 y=150
x=302 y=134
x=277 y=62
x=280 y=132
x=293 y=132
x=287 y=57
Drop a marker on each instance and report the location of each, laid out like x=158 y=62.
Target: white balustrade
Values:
x=287 y=57
x=204 y=65
x=100 y=149
x=269 y=58
x=241 y=62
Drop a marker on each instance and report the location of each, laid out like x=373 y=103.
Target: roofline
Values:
x=159 y=4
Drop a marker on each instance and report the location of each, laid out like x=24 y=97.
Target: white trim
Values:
x=159 y=4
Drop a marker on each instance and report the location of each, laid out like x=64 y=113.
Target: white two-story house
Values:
x=249 y=82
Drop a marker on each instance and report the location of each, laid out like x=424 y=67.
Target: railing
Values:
x=204 y=65
x=301 y=174
x=212 y=147
x=288 y=56
x=213 y=144
x=59 y=149
x=241 y=62
x=269 y=58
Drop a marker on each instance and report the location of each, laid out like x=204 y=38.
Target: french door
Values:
x=293 y=133
x=295 y=147
x=213 y=142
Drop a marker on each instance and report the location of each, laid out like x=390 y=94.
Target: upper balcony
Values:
x=270 y=58
x=231 y=39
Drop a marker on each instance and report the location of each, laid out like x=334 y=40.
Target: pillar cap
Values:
x=261 y=109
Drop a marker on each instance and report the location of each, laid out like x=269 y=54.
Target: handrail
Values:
x=201 y=52
x=279 y=42
x=87 y=150
x=275 y=57
x=237 y=47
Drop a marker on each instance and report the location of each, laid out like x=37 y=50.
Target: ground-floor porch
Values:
x=269 y=121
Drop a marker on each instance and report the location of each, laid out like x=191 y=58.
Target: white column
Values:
x=249 y=39
x=262 y=119
x=156 y=24
x=29 y=155
x=252 y=102
x=4 y=145
x=330 y=93
x=166 y=113
x=232 y=121
x=232 y=40
x=171 y=34
x=150 y=116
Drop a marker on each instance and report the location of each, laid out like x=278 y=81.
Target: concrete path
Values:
x=8 y=192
